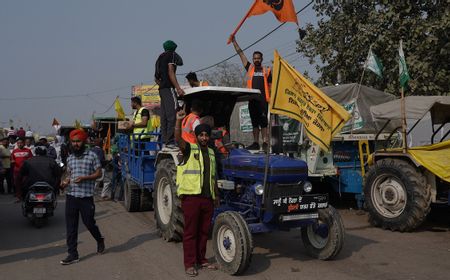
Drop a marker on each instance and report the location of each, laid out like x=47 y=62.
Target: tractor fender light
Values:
x=307 y=186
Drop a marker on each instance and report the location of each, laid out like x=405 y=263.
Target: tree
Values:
x=226 y=74
x=347 y=29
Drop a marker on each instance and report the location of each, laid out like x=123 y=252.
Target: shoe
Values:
x=265 y=147
x=101 y=246
x=70 y=260
x=191 y=272
x=254 y=146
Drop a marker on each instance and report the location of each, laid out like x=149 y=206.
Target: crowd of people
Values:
x=190 y=133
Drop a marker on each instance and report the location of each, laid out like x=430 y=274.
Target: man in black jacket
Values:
x=40 y=168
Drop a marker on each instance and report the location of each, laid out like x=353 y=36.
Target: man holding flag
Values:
x=257 y=77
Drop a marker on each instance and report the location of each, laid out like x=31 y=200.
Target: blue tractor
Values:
x=259 y=192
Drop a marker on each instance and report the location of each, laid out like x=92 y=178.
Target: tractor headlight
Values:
x=259 y=189
x=307 y=186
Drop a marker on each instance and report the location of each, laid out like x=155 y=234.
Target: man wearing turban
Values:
x=84 y=168
x=169 y=89
x=197 y=188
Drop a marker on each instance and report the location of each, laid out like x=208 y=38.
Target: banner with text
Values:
x=296 y=97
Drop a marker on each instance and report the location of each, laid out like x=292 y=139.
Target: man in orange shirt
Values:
x=191 y=121
x=194 y=82
x=257 y=77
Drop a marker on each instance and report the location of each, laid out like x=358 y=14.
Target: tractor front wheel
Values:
x=232 y=243
x=324 y=239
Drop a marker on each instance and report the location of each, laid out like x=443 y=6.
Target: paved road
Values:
x=135 y=252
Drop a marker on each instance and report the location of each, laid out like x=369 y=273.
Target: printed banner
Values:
x=149 y=95
x=357 y=121
x=296 y=97
x=245 y=123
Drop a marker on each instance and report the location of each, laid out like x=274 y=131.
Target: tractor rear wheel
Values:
x=324 y=240
x=232 y=243
x=167 y=205
x=397 y=195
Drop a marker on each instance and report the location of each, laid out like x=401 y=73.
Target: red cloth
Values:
x=19 y=156
x=198 y=212
x=79 y=134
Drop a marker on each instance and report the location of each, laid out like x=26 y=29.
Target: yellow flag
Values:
x=119 y=109
x=294 y=96
x=107 y=144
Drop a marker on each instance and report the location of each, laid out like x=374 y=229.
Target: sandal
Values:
x=191 y=272
x=210 y=266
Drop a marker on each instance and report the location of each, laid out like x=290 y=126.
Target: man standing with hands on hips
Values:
x=169 y=89
x=84 y=167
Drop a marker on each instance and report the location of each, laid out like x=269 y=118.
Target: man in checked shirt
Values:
x=84 y=167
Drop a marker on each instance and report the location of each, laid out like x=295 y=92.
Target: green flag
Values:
x=374 y=64
x=403 y=70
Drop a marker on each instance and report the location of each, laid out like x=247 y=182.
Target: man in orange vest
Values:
x=257 y=77
x=194 y=82
x=191 y=121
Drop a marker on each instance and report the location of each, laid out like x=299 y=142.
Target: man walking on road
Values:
x=5 y=157
x=197 y=187
x=169 y=89
x=260 y=78
x=84 y=167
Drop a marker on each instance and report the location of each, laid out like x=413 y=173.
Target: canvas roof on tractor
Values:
x=416 y=108
x=218 y=102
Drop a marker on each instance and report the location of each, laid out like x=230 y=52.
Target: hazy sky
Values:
x=54 y=48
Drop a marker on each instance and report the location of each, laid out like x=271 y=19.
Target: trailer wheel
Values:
x=324 y=240
x=146 y=200
x=168 y=213
x=397 y=195
x=232 y=243
x=131 y=197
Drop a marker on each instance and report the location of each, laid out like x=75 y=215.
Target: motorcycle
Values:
x=39 y=203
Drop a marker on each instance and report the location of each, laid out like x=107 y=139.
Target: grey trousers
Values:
x=168 y=114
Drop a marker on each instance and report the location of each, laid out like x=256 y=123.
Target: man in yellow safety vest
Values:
x=197 y=187
x=140 y=123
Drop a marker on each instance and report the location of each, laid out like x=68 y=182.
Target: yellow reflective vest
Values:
x=190 y=174
x=137 y=118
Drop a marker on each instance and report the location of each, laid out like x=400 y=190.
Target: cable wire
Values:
x=251 y=45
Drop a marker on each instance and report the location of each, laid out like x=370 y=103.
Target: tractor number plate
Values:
x=303 y=203
x=39 y=210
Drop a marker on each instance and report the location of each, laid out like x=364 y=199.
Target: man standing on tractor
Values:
x=141 y=117
x=169 y=89
x=260 y=78
x=191 y=121
x=194 y=82
x=197 y=187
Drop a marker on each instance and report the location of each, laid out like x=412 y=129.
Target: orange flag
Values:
x=283 y=10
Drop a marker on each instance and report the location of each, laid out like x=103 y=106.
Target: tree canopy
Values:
x=340 y=43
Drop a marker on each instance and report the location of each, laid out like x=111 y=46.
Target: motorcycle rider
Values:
x=40 y=168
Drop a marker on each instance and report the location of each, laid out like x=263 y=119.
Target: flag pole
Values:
x=403 y=112
x=240 y=23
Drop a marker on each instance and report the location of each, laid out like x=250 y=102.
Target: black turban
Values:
x=202 y=128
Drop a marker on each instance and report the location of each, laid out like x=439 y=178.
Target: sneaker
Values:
x=70 y=260
x=254 y=146
x=101 y=246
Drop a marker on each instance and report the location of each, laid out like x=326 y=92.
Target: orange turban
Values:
x=78 y=133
